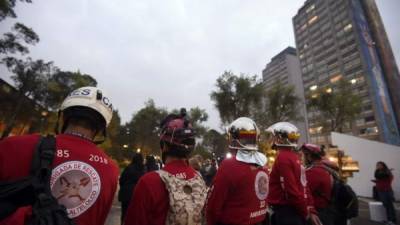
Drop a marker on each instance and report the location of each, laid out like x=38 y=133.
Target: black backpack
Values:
x=343 y=199
x=35 y=190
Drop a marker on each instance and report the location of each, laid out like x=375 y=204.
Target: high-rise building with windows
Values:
x=285 y=68
x=335 y=40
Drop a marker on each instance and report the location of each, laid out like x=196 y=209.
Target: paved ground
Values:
x=363 y=219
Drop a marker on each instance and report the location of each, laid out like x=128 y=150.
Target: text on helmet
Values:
x=86 y=92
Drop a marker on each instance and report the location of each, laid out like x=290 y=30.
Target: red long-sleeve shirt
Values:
x=84 y=179
x=150 y=202
x=238 y=194
x=320 y=182
x=383 y=181
x=288 y=183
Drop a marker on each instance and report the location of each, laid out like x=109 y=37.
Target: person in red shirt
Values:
x=383 y=180
x=320 y=182
x=288 y=195
x=84 y=179
x=158 y=198
x=240 y=188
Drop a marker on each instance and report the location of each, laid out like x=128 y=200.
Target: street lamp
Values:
x=125 y=146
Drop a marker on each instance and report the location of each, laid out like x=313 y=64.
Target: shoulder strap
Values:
x=41 y=164
x=46 y=209
x=330 y=171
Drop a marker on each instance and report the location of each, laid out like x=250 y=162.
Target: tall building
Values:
x=335 y=40
x=285 y=68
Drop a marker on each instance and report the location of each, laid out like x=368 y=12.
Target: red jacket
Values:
x=84 y=178
x=150 y=202
x=383 y=180
x=288 y=183
x=320 y=183
x=238 y=194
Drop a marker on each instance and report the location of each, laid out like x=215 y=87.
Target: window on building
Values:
x=311 y=8
x=336 y=78
x=360 y=122
x=369 y=130
x=312 y=20
x=348 y=27
x=369 y=119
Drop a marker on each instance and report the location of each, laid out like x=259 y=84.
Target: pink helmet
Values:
x=313 y=149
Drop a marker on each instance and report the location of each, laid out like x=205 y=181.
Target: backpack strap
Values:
x=46 y=207
x=335 y=179
x=41 y=164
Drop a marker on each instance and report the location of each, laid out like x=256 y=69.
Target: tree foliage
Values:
x=144 y=127
x=7 y=8
x=280 y=103
x=215 y=142
x=11 y=41
x=336 y=107
x=29 y=77
x=61 y=83
x=236 y=96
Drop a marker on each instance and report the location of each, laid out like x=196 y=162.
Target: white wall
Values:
x=367 y=153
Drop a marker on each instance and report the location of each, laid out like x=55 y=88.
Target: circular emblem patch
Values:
x=76 y=185
x=261 y=185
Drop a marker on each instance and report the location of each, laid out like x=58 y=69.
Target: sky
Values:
x=171 y=51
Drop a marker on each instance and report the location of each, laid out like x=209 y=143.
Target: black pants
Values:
x=286 y=215
x=326 y=215
x=387 y=199
x=124 y=207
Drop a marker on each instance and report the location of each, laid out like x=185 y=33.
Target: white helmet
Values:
x=243 y=133
x=283 y=134
x=90 y=97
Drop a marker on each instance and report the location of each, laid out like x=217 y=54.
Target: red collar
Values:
x=177 y=163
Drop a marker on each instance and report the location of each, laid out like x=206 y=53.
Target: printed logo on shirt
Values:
x=76 y=185
x=261 y=185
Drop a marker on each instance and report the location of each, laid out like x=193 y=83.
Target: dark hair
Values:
x=175 y=150
x=385 y=167
x=84 y=117
x=137 y=158
x=151 y=163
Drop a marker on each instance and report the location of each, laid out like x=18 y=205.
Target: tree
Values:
x=144 y=126
x=61 y=83
x=7 y=8
x=236 y=96
x=336 y=106
x=215 y=142
x=11 y=41
x=280 y=104
x=29 y=78
x=112 y=144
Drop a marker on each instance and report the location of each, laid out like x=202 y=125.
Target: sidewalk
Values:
x=364 y=215
x=363 y=218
